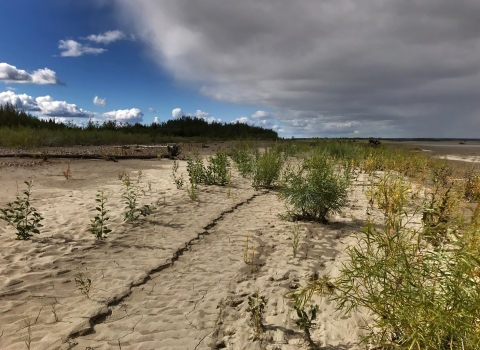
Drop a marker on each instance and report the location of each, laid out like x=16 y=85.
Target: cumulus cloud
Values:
x=9 y=88
x=12 y=74
x=156 y=121
x=395 y=68
x=46 y=106
x=152 y=110
x=133 y=115
x=178 y=113
x=107 y=37
x=100 y=102
x=50 y=107
x=21 y=101
x=72 y=48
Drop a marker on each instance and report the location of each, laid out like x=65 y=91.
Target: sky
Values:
x=304 y=68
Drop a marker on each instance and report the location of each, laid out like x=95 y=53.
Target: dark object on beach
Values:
x=462 y=142
x=374 y=142
x=173 y=151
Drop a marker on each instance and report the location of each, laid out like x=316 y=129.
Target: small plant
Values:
x=98 y=225
x=306 y=320
x=295 y=240
x=22 y=216
x=83 y=284
x=196 y=170
x=28 y=338
x=66 y=172
x=249 y=253
x=177 y=180
x=256 y=307
x=139 y=176
x=122 y=174
x=192 y=192
x=130 y=195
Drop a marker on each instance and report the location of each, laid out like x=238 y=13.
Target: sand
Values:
x=174 y=280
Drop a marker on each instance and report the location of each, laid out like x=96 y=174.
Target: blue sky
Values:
x=124 y=75
x=305 y=68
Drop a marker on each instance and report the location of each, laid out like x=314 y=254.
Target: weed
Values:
x=139 y=176
x=295 y=240
x=256 y=307
x=177 y=180
x=216 y=172
x=122 y=174
x=130 y=194
x=28 y=338
x=22 y=216
x=192 y=192
x=472 y=185
x=98 y=223
x=83 y=284
x=66 y=172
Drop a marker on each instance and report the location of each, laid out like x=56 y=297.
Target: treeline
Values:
x=186 y=127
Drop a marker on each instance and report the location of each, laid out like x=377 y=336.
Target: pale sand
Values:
x=175 y=280
x=468 y=159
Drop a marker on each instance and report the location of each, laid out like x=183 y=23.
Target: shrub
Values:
x=313 y=189
x=266 y=167
x=22 y=216
x=216 y=172
x=421 y=296
x=243 y=158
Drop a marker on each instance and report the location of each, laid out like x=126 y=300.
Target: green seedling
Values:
x=22 y=216
x=295 y=240
x=98 y=223
x=256 y=307
x=83 y=284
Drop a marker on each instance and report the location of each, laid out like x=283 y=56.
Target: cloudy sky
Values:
x=334 y=68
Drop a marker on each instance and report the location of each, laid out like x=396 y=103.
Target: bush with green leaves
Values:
x=130 y=194
x=314 y=189
x=22 y=216
x=98 y=223
x=215 y=173
x=266 y=167
x=420 y=295
x=243 y=159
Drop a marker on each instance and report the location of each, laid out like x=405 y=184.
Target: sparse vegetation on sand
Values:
x=22 y=216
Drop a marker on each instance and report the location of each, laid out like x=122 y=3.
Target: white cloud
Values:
x=107 y=37
x=397 y=67
x=133 y=115
x=73 y=48
x=178 y=113
x=152 y=110
x=46 y=106
x=11 y=74
x=261 y=115
x=9 y=88
x=22 y=101
x=156 y=121
x=100 y=102
x=50 y=107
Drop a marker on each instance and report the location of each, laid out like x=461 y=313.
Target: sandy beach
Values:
x=174 y=280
